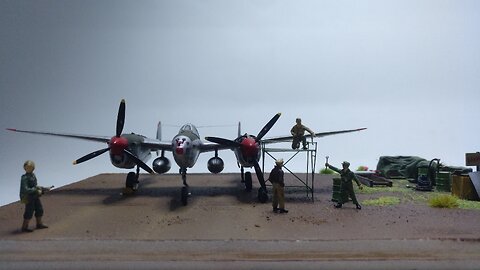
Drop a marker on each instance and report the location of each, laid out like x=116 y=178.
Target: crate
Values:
x=463 y=188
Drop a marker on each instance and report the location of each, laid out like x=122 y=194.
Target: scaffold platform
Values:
x=289 y=154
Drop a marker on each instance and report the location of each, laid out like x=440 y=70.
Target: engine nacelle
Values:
x=161 y=165
x=215 y=165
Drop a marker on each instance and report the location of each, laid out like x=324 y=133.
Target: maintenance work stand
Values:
x=306 y=181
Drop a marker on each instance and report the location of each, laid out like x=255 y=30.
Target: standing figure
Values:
x=30 y=195
x=347 y=184
x=298 y=132
x=276 y=178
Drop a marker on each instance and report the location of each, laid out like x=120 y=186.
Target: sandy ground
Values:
x=223 y=223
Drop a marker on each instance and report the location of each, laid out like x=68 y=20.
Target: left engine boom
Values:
x=215 y=165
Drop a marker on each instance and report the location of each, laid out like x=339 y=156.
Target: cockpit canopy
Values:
x=189 y=128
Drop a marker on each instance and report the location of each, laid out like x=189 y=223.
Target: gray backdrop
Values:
x=409 y=71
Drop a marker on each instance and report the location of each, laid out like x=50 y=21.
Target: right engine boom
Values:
x=161 y=165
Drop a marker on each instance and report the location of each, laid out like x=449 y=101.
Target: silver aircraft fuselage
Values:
x=186 y=146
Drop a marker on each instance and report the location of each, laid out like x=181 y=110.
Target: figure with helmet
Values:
x=298 y=132
x=347 y=177
x=30 y=194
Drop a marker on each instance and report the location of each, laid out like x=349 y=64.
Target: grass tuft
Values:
x=443 y=201
x=472 y=205
x=382 y=201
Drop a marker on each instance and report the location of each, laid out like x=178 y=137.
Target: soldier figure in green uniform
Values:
x=298 y=132
x=347 y=184
x=276 y=178
x=30 y=195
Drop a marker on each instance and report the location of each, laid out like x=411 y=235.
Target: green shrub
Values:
x=362 y=169
x=443 y=201
x=327 y=171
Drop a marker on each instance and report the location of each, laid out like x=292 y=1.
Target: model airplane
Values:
x=130 y=150
x=247 y=149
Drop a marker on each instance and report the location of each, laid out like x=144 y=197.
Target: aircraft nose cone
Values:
x=117 y=145
x=249 y=147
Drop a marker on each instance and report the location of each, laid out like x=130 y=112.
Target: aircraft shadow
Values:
x=148 y=187
x=114 y=195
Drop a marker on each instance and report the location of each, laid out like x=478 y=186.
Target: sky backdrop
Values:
x=409 y=71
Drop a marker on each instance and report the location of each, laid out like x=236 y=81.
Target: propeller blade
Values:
x=140 y=163
x=120 y=118
x=90 y=156
x=267 y=127
x=260 y=177
x=222 y=141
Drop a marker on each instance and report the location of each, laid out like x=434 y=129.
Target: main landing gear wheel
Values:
x=262 y=195
x=131 y=180
x=185 y=195
x=131 y=183
x=248 y=181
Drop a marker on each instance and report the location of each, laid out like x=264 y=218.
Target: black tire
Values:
x=184 y=196
x=262 y=195
x=131 y=180
x=248 y=181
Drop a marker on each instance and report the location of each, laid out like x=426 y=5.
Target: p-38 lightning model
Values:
x=130 y=150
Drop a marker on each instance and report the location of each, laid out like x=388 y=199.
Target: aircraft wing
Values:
x=153 y=144
x=104 y=139
x=209 y=147
x=156 y=145
x=317 y=135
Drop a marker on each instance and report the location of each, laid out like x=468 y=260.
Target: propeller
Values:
x=117 y=144
x=267 y=127
x=120 y=118
x=234 y=144
x=140 y=163
x=90 y=156
x=223 y=141
x=260 y=177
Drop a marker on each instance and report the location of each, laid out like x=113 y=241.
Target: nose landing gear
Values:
x=185 y=190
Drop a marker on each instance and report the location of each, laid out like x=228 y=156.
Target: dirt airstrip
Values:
x=220 y=212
